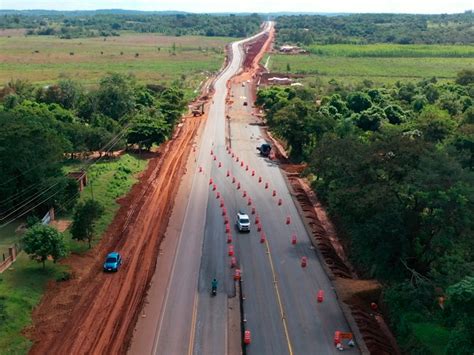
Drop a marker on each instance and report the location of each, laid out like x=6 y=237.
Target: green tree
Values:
x=395 y=114
x=23 y=88
x=371 y=119
x=435 y=124
x=147 y=130
x=41 y=242
x=339 y=104
x=450 y=103
x=115 y=97
x=172 y=104
x=295 y=123
x=85 y=217
x=465 y=77
x=30 y=153
x=419 y=102
x=427 y=199
x=431 y=93
x=461 y=308
x=71 y=93
x=358 y=101
x=469 y=115
x=10 y=101
x=463 y=141
x=407 y=92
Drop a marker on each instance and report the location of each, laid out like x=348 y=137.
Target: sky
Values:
x=394 y=6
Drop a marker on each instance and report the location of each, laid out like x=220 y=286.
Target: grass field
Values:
x=8 y=237
x=380 y=63
x=45 y=59
x=21 y=287
x=20 y=290
x=385 y=50
x=107 y=182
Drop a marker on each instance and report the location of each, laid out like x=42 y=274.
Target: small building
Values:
x=292 y=49
x=279 y=78
x=279 y=81
x=80 y=177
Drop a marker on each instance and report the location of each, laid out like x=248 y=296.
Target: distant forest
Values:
x=377 y=28
x=77 y=24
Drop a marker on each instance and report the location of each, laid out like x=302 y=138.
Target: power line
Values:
x=112 y=143
x=23 y=172
x=25 y=212
x=19 y=193
x=35 y=196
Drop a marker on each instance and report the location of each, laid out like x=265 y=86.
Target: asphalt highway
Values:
x=281 y=309
x=279 y=292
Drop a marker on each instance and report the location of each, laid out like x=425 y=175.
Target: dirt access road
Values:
x=94 y=313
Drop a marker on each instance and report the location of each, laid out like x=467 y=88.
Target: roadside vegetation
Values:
x=21 y=287
x=44 y=140
x=42 y=126
x=104 y=23
x=377 y=28
x=377 y=63
x=20 y=291
x=394 y=166
x=385 y=122
x=377 y=48
x=109 y=180
x=49 y=131
x=86 y=92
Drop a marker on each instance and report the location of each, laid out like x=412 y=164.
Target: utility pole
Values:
x=92 y=190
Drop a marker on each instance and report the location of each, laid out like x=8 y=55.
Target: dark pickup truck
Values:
x=264 y=149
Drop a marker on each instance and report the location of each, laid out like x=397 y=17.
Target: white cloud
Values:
x=397 y=6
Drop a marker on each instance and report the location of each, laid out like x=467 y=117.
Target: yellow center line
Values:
x=282 y=312
x=193 y=325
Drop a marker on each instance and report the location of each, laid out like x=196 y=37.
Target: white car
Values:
x=243 y=222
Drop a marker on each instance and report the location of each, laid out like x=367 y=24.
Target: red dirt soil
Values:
x=95 y=313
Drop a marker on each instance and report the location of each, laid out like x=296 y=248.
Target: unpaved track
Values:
x=95 y=313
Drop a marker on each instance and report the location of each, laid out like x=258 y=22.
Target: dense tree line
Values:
x=73 y=25
x=394 y=167
x=377 y=28
x=41 y=127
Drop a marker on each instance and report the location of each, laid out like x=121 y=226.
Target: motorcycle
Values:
x=213 y=287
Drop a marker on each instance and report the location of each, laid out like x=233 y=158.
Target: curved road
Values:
x=280 y=296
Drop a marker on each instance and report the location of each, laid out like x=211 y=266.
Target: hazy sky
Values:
x=405 y=6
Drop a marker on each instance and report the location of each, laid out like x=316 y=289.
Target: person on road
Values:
x=214 y=285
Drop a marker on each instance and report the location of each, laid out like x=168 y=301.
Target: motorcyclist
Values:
x=214 y=285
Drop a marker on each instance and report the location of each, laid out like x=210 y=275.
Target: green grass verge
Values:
x=107 y=181
x=8 y=237
x=21 y=287
x=432 y=336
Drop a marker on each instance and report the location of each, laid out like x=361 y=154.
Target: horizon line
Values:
x=244 y=12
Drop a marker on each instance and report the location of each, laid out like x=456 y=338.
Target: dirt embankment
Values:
x=95 y=312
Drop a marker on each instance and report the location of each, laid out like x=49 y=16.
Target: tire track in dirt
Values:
x=95 y=312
